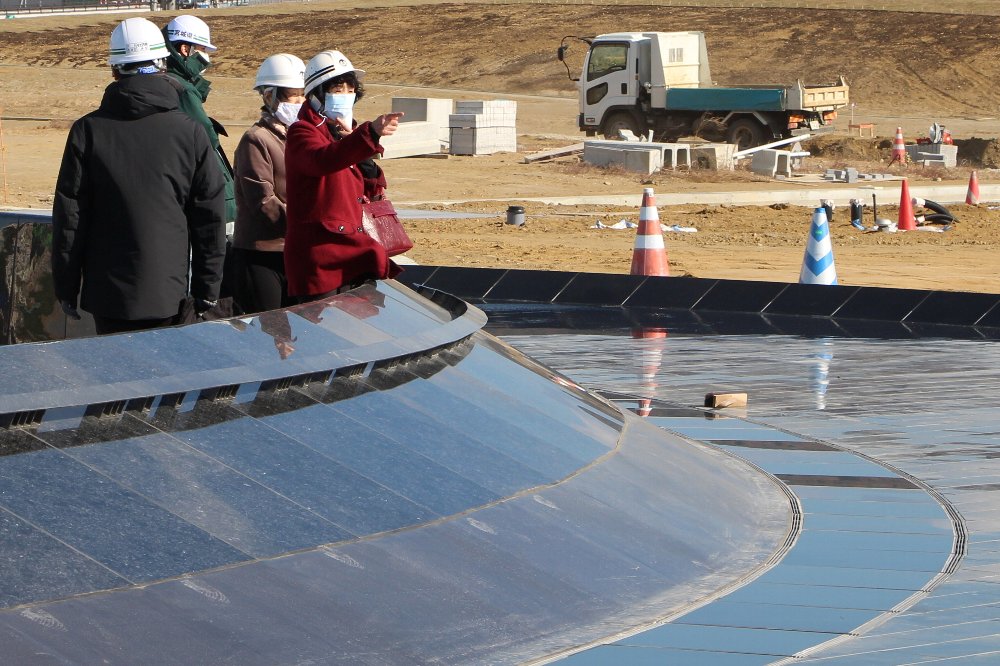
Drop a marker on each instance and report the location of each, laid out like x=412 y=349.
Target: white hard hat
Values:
x=326 y=65
x=190 y=29
x=136 y=40
x=282 y=70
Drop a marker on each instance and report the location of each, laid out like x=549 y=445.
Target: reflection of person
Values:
x=138 y=186
x=275 y=323
x=326 y=250
x=259 y=238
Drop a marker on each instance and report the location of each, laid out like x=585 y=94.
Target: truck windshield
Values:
x=606 y=58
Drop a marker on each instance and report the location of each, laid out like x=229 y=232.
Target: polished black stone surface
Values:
x=400 y=488
x=895 y=561
x=271 y=488
x=801 y=309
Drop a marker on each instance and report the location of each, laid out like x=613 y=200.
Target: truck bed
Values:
x=760 y=98
x=729 y=99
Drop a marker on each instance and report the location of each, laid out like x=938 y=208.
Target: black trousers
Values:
x=259 y=282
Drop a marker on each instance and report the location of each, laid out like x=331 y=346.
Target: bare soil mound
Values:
x=892 y=60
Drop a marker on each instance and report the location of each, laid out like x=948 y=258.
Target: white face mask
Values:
x=339 y=105
x=287 y=112
x=201 y=55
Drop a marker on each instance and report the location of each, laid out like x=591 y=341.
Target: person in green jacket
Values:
x=189 y=42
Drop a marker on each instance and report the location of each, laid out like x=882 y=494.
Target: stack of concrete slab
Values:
x=483 y=127
x=941 y=154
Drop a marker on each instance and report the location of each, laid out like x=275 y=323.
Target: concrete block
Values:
x=482 y=140
x=494 y=113
x=937 y=153
x=673 y=154
x=505 y=106
x=851 y=175
x=717 y=156
x=641 y=160
x=430 y=109
x=419 y=137
x=772 y=163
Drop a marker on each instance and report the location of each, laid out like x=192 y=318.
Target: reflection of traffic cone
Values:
x=649 y=256
x=898 y=148
x=817 y=264
x=650 y=358
x=972 y=197
x=907 y=222
x=821 y=372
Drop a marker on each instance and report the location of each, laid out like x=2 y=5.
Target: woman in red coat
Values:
x=326 y=157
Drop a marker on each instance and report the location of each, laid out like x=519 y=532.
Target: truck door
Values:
x=608 y=81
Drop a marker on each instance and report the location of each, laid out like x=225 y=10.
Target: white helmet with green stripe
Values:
x=136 y=40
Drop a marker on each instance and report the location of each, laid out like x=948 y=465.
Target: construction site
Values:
x=911 y=69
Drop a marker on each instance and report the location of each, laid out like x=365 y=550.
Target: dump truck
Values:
x=661 y=82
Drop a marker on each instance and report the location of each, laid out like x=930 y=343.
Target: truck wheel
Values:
x=745 y=133
x=619 y=121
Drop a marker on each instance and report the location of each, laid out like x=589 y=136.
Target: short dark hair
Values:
x=347 y=77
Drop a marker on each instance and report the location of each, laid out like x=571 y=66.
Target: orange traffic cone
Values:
x=907 y=221
x=649 y=256
x=650 y=359
x=972 y=197
x=898 y=148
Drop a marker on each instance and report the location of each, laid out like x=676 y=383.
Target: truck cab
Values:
x=625 y=71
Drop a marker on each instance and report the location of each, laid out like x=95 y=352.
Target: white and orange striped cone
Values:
x=972 y=196
x=650 y=359
x=898 y=148
x=649 y=256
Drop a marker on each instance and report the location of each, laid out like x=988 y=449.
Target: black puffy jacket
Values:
x=138 y=189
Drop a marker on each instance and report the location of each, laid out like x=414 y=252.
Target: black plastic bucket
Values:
x=515 y=215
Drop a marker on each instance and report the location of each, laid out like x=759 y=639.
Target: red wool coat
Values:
x=325 y=247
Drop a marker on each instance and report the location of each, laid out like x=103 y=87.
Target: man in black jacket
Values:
x=139 y=193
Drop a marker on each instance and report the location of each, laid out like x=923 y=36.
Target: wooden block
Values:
x=721 y=400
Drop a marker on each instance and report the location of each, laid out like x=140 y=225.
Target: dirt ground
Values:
x=905 y=69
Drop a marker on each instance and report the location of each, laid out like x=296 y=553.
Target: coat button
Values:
x=341 y=227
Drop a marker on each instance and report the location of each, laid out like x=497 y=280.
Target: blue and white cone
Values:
x=817 y=264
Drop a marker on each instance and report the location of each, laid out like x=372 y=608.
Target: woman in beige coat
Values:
x=259 y=238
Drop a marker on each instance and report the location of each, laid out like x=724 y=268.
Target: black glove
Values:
x=70 y=310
